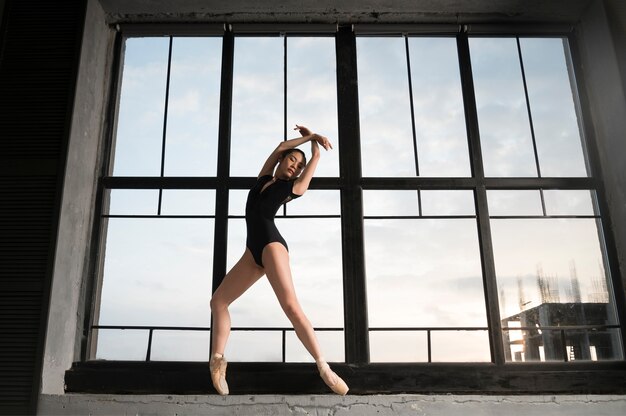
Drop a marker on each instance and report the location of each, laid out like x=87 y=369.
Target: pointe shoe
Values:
x=332 y=380
x=218 y=374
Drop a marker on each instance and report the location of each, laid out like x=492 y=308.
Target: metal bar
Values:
x=373 y=329
x=579 y=183
x=149 y=353
x=530 y=115
x=482 y=210
x=201 y=182
x=223 y=161
x=207 y=328
x=159 y=216
x=215 y=216
x=471 y=183
x=165 y=110
x=564 y=345
x=353 y=251
x=559 y=327
x=427 y=328
x=284 y=345
x=416 y=217
x=129 y=182
x=548 y=217
x=544 y=183
x=411 y=183
x=284 y=206
x=430 y=350
x=408 y=71
x=413 y=127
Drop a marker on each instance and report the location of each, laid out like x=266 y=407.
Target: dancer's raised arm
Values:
x=275 y=156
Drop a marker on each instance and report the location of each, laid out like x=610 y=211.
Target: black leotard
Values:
x=261 y=207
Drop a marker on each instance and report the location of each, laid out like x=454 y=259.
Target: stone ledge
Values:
x=327 y=405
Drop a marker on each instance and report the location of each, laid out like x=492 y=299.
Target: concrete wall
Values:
x=73 y=244
x=351 y=11
x=334 y=405
x=601 y=40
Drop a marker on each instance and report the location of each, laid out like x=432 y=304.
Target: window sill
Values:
x=130 y=377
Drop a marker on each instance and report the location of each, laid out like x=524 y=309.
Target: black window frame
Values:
x=497 y=376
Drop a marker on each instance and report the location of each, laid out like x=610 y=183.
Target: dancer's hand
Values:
x=303 y=130
x=322 y=141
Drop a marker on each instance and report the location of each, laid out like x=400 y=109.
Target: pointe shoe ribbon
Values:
x=332 y=380
x=218 y=374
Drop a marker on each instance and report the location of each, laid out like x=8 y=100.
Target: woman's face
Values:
x=290 y=166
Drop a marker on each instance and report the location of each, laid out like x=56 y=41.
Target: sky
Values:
x=421 y=272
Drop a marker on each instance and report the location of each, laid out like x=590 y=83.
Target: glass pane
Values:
x=398 y=346
x=384 y=107
x=550 y=272
x=460 y=346
x=514 y=202
x=193 y=107
x=441 y=203
x=505 y=135
x=312 y=94
x=157 y=272
x=180 y=346
x=423 y=273
x=139 y=136
x=257 y=118
x=566 y=202
x=237 y=201
x=121 y=344
x=188 y=202
x=134 y=201
x=316 y=202
x=390 y=203
x=438 y=103
x=550 y=94
x=254 y=346
x=331 y=342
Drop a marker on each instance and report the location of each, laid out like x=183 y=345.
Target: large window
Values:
x=457 y=220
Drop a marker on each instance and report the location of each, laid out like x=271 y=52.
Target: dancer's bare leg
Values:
x=239 y=279
x=235 y=283
x=276 y=262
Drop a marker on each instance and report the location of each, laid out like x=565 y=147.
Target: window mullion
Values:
x=353 y=252
x=223 y=161
x=284 y=207
x=530 y=122
x=413 y=128
x=165 y=110
x=482 y=212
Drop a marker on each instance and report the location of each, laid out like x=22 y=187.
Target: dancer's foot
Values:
x=218 y=373
x=332 y=380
